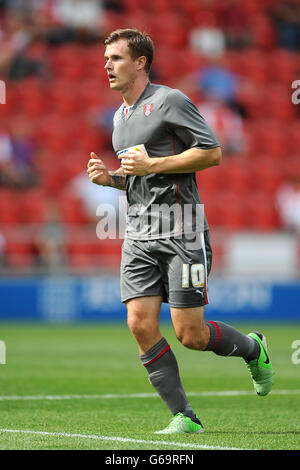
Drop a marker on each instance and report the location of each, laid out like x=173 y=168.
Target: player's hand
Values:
x=136 y=163
x=97 y=170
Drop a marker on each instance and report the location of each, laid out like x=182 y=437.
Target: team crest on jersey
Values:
x=147 y=109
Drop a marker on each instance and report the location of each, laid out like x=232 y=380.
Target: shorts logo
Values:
x=147 y=109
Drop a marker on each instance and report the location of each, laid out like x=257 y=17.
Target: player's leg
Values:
x=195 y=333
x=225 y=340
x=140 y=274
x=187 y=280
x=188 y=295
x=159 y=360
x=143 y=321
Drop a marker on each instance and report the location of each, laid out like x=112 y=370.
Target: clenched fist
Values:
x=97 y=170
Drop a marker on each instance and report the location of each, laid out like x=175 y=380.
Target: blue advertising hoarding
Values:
x=75 y=299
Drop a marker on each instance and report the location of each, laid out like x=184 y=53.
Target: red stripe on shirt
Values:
x=176 y=184
x=173 y=147
x=158 y=356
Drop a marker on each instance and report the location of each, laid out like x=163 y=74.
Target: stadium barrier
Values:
x=68 y=299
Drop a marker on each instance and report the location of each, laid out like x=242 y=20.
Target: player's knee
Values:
x=193 y=340
x=139 y=327
x=134 y=324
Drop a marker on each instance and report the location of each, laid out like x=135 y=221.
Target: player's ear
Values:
x=141 y=62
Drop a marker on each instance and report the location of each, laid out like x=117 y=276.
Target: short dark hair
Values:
x=139 y=44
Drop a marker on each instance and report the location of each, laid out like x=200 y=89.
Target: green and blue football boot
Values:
x=180 y=424
x=261 y=369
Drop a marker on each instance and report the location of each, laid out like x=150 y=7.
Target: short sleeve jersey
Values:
x=166 y=122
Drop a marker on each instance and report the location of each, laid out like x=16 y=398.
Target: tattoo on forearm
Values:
x=115 y=180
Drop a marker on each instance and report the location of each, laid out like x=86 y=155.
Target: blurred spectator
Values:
x=117 y=6
x=3 y=261
x=17 y=156
x=92 y=196
x=49 y=243
x=216 y=82
x=288 y=204
x=82 y=20
x=5 y=158
x=17 y=34
x=13 y=40
x=207 y=38
x=79 y=13
x=209 y=41
x=23 y=6
x=286 y=17
x=102 y=117
x=3 y=5
x=227 y=124
x=5 y=146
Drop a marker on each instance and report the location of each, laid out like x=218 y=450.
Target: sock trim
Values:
x=158 y=355
x=218 y=333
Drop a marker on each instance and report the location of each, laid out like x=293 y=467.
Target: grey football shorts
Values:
x=175 y=269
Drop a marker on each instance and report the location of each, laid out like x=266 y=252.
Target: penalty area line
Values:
x=119 y=439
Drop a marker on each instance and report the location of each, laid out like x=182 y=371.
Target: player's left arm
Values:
x=189 y=161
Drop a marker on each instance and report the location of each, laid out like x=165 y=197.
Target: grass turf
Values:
x=102 y=359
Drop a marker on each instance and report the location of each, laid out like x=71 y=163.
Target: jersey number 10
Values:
x=197 y=275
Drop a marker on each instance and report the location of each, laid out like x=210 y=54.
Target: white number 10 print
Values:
x=197 y=275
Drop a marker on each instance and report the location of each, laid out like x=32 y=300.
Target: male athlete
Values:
x=162 y=140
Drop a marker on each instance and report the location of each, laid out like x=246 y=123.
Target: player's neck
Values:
x=132 y=93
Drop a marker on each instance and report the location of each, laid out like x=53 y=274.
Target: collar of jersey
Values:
x=133 y=107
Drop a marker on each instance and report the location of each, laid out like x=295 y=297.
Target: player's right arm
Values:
x=99 y=174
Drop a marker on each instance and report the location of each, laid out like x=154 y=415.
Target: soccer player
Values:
x=162 y=141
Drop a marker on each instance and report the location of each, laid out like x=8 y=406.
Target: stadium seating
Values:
x=238 y=195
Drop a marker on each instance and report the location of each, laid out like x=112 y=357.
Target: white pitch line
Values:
x=120 y=439
x=107 y=396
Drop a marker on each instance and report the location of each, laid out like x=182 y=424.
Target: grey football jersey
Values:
x=166 y=122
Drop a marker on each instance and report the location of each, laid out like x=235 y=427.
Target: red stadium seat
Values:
x=69 y=62
x=235 y=176
x=278 y=104
x=63 y=98
x=254 y=67
x=19 y=254
x=238 y=195
x=10 y=208
x=33 y=97
x=208 y=182
x=266 y=176
x=232 y=210
x=260 y=210
x=294 y=137
x=283 y=66
x=264 y=34
x=33 y=206
x=71 y=211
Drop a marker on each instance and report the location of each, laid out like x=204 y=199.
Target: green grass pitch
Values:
x=83 y=387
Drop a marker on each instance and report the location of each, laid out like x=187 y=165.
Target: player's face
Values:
x=121 y=68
